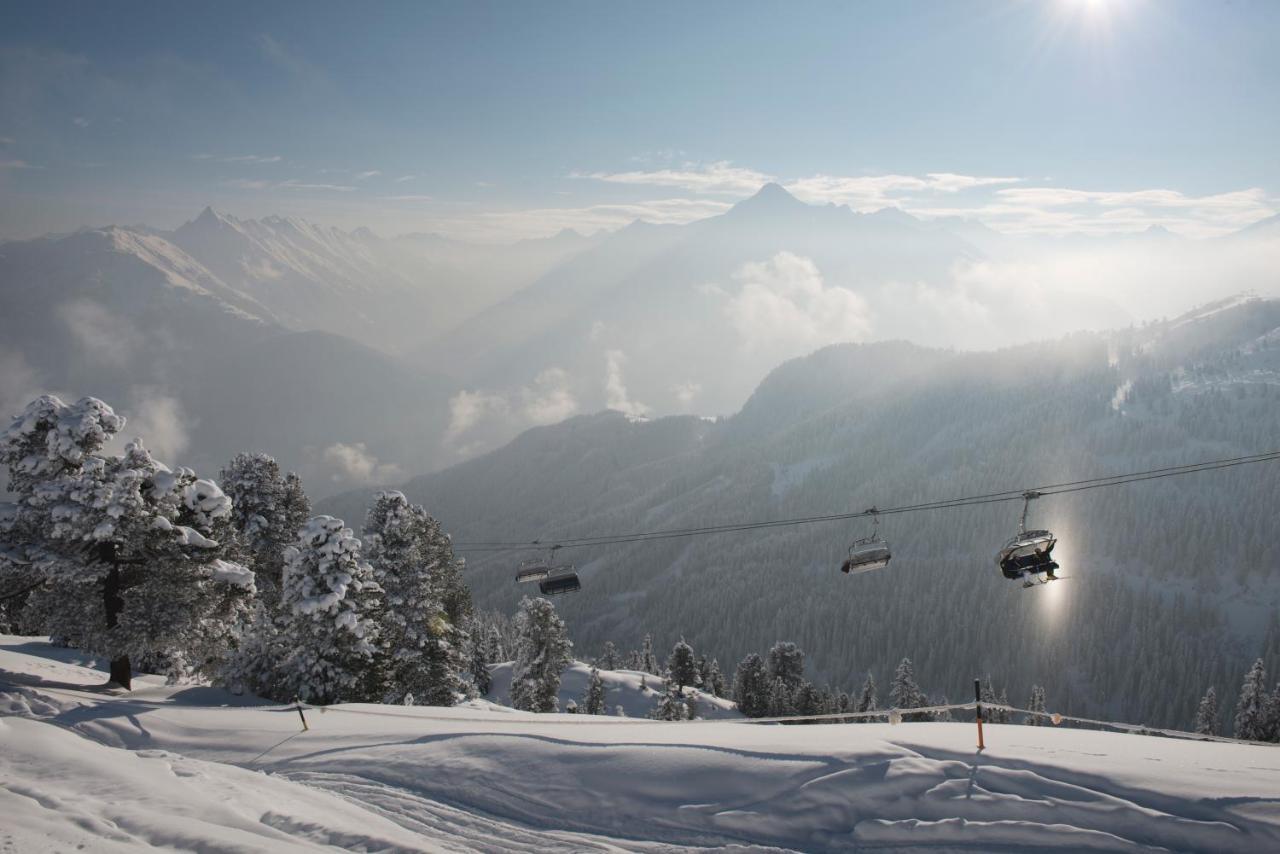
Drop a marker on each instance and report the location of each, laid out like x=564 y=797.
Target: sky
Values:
x=498 y=121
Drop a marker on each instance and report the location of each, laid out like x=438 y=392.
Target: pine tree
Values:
x=715 y=679
x=1004 y=716
x=480 y=661
x=904 y=693
x=1036 y=704
x=328 y=634
x=571 y=707
x=1271 y=727
x=648 y=661
x=867 y=700
x=751 y=687
x=786 y=662
x=542 y=657
x=132 y=560
x=267 y=509
x=609 y=658
x=424 y=648
x=593 y=700
x=781 y=703
x=683 y=666
x=807 y=699
x=1251 y=708
x=670 y=706
x=1207 y=714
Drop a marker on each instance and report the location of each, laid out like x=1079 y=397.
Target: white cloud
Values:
x=371 y=173
x=545 y=222
x=686 y=391
x=720 y=177
x=873 y=192
x=355 y=464
x=615 y=389
x=301 y=185
x=783 y=306
x=157 y=419
x=104 y=335
x=80 y=121
x=18 y=164
x=480 y=415
x=19 y=383
x=239 y=158
x=404 y=178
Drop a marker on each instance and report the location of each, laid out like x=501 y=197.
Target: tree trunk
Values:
x=121 y=670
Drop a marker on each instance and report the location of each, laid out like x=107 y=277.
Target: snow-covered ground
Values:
x=196 y=768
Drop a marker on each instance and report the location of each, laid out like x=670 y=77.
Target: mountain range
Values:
x=357 y=359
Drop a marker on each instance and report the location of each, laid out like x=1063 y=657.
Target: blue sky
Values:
x=495 y=121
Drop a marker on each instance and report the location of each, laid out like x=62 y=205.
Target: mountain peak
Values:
x=771 y=198
x=209 y=218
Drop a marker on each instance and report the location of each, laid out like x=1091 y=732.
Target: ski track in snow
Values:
x=203 y=769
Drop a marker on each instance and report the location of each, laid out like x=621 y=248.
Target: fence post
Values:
x=298 y=704
x=977 y=697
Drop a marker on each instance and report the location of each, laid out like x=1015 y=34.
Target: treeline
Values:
x=232 y=580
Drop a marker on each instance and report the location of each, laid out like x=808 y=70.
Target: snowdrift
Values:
x=193 y=767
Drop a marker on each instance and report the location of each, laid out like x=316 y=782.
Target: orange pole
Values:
x=977 y=696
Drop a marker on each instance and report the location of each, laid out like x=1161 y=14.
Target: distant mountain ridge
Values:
x=894 y=424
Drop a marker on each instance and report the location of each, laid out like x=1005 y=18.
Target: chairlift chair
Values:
x=1029 y=552
x=536 y=569
x=868 y=553
x=562 y=580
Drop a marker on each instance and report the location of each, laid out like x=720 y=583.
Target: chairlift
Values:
x=562 y=580
x=536 y=569
x=1028 y=554
x=868 y=553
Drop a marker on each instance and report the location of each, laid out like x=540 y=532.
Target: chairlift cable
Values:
x=964 y=501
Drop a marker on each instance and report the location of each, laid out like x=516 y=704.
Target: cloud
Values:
x=248 y=184
x=721 y=177
x=105 y=337
x=291 y=62
x=7 y=140
x=615 y=390
x=481 y=415
x=239 y=158
x=404 y=178
x=80 y=122
x=158 y=420
x=302 y=185
x=19 y=383
x=18 y=164
x=686 y=391
x=546 y=222
x=372 y=173
x=410 y=198
x=873 y=192
x=784 y=307
x=355 y=464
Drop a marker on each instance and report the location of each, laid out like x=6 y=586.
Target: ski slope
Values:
x=196 y=768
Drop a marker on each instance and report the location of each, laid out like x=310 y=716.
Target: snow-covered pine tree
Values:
x=1004 y=716
x=424 y=648
x=786 y=662
x=670 y=705
x=593 y=700
x=781 y=702
x=683 y=667
x=807 y=699
x=542 y=657
x=267 y=509
x=944 y=715
x=479 y=660
x=133 y=560
x=1207 y=713
x=1271 y=728
x=328 y=634
x=609 y=658
x=904 y=693
x=1251 y=708
x=751 y=687
x=571 y=707
x=715 y=679
x=648 y=661
x=1035 y=704
x=867 y=699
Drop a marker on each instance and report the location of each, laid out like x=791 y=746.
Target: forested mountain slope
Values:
x=1172 y=583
